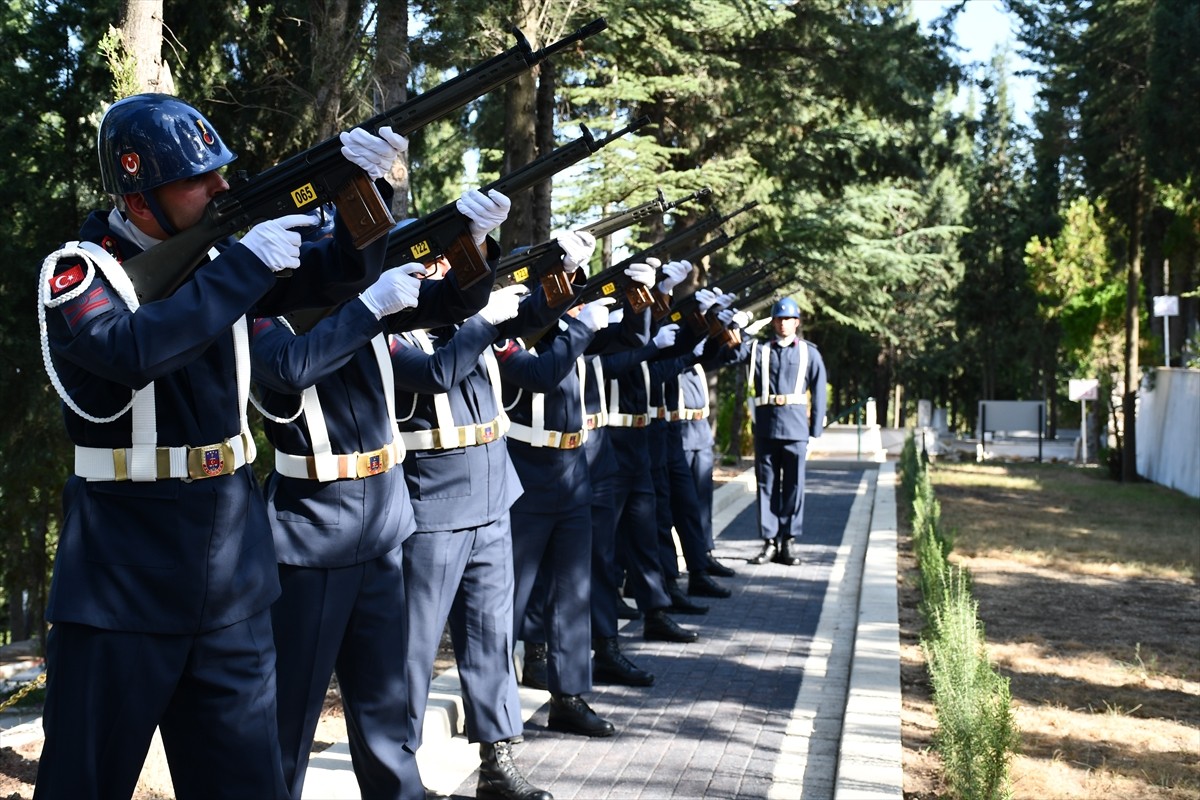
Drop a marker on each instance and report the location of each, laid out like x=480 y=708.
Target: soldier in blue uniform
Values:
x=165 y=569
x=783 y=373
x=631 y=495
x=551 y=521
x=458 y=562
x=340 y=510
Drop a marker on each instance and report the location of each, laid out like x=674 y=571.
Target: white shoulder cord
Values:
x=703 y=376
x=258 y=404
x=520 y=391
x=92 y=258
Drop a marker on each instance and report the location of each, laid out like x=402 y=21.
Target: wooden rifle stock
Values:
x=322 y=175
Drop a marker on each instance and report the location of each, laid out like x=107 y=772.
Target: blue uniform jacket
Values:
x=342 y=522
x=173 y=556
x=463 y=487
x=795 y=423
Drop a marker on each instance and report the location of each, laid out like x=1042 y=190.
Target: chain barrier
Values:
x=17 y=696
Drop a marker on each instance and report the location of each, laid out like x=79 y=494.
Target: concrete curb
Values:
x=870 y=755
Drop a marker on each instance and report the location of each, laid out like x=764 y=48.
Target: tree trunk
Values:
x=392 y=67
x=1132 y=338
x=141 y=30
x=329 y=21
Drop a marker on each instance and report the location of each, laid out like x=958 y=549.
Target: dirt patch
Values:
x=1102 y=655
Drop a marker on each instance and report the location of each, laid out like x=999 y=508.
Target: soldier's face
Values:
x=785 y=326
x=184 y=201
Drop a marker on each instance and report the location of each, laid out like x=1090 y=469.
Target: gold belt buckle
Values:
x=210 y=460
x=372 y=463
x=487 y=432
x=590 y=422
x=639 y=420
x=779 y=400
x=570 y=441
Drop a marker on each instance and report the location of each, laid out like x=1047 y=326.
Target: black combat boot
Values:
x=500 y=778
x=769 y=552
x=658 y=627
x=716 y=568
x=570 y=713
x=701 y=585
x=785 y=555
x=611 y=666
x=533 y=671
x=680 y=602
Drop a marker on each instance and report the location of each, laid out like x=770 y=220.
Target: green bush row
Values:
x=976 y=731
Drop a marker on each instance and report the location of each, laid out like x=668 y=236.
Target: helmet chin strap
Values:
x=160 y=216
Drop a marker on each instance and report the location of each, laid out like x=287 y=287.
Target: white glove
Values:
x=641 y=273
x=595 y=313
x=395 y=290
x=577 y=247
x=741 y=318
x=698 y=350
x=705 y=300
x=275 y=243
x=674 y=274
x=616 y=315
x=503 y=303
x=666 y=336
x=374 y=154
x=725 y=316
x=725 y=299
x=485 y=211
x=754 y=327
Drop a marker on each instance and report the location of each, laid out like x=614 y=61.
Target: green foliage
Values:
x=976 y=731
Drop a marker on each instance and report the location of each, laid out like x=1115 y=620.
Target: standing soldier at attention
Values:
x=165 y=570
x=783 y=372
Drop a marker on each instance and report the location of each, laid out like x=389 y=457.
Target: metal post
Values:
x=1083 y=428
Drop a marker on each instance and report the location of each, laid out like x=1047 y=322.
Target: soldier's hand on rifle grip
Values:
x=705 y=299
x=502 y=305
x=641 y=273
x=725 y=299
x=275 y=243
x=485 y=212
x=666 y=336
x=595 y=313
x=395 y=290
x=374 y=154
x=674 y=273
x=577 y=247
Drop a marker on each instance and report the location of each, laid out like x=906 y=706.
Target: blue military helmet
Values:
x=785 y=307
x=147 y=140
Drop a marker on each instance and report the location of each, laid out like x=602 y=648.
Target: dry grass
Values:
x=1088 y=592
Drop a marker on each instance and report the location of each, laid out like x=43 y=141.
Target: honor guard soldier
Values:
x=551 y=521
x=632 y=496
x=340 y=510
x=458 y=563
x=783 y=373
x=165 y=569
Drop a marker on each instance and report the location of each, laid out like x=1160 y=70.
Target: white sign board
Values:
x=1083 y=389
x=1166 y=305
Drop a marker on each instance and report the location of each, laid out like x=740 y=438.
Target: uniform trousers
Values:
x=212 y=695
x=779 y=470
x=466 y=577
x=351 y=620
x=605 y=572
x=677 y=490
x=700 y=464
x=637 y=529
x=552 y=559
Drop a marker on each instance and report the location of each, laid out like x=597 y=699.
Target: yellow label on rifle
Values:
x=609 y=288
x=420 y=249
x=304 y=195
x=521 y=275
x=676 y=316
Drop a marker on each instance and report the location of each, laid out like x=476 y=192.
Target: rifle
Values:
x=322 y=175
x=544 y=262
x=714 y=244
x=705 y=224
x=446 y=231
x=687 y=311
